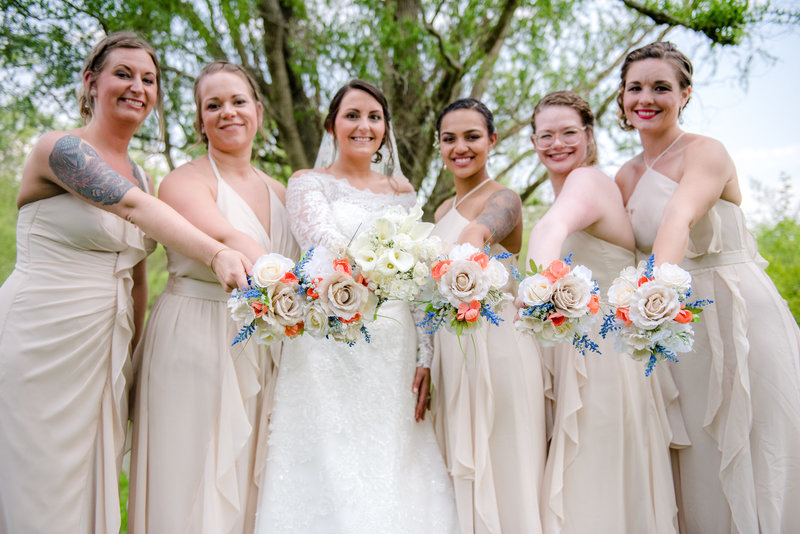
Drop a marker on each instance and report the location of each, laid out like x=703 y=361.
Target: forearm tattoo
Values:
x=501 y=215
x=79 y=167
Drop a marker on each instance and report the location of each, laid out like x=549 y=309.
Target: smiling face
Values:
x=359 y=125
x=126 y=87
x=230 y=114
x=464 y=142
x=555 y=124
x=652 y=97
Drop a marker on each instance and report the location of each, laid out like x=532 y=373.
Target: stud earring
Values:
x=93 y=92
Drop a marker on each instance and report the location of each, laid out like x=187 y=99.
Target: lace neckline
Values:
x=346 y=183
x=457 y=204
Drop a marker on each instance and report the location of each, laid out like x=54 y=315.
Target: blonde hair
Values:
x=571 y=100
x=96 y=62
x=213 y=68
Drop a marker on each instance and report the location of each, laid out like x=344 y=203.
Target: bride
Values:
x=345 y=452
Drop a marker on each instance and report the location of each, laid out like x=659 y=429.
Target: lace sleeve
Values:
x=310 y=214
x=424 y=339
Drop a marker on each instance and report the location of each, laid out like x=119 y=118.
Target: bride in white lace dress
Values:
x=345 y=452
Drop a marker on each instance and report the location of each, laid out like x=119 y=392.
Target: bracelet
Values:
x=211 y=263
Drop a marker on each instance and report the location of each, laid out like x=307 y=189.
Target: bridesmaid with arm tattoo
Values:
x=75 y=301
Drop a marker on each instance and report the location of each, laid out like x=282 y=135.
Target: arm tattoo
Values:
x=79 y=167
x=501 y=215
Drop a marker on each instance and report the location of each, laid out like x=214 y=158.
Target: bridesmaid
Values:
x=740 y=388
x=489 y=405
x=75 y=301
x=201 y=403
x=608 y=467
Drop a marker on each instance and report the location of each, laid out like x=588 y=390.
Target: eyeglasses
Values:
x=570 y=137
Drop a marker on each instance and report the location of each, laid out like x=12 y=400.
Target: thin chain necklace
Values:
x=650 y=165
x=456 y=204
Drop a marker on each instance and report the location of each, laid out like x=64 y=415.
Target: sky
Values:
x=759 y=123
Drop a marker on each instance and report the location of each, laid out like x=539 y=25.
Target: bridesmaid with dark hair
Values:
x=201 y=404
x=489 y=402
x=740 y=387
x=75 y=303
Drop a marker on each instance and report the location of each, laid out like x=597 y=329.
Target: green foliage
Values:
x=779 y=240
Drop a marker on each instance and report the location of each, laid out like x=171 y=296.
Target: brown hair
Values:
x=573 y=101
x=658 y=50
x=471 y=104
x=96 y=62
x=374 y=92
x=213 y=68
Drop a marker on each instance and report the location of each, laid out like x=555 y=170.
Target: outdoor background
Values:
x=424 y=54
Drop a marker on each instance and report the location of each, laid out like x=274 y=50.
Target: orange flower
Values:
x=623 y=314
x=288 y=278
x=294 y=329
x=354 y=318
x=440 y=268
x=481 y=259
x=684 y=316
x=469 y=312
x=363 y=281
x=312 y=290
x=594 y=304
x=342 y=266
x=644 y=280
x=557 y=318
x=259 y=308
x=556 y=271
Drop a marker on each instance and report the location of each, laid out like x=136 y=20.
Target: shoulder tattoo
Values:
x=501 y=215
x=79 y=167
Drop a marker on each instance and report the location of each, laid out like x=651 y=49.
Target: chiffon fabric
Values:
x=740 y=387
x=66 y=323
x=202 y=405
x=488 y=409
x=608 y=467
x=345 y=453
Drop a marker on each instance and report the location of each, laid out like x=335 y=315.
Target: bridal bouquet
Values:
x=651 y=316
x=337 y=302
x=271 y=308
x=467 y=283
x=559 y=304
x=394 y=254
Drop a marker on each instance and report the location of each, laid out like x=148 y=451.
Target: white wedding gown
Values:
x=345 y=453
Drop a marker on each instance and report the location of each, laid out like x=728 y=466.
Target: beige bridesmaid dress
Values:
x=202 y=405
x=488 y=409
x=608 y=466
x=740 y=387
x=66 y=323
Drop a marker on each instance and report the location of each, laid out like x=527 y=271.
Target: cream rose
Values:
x=497 y=273
x=316 y=320
x=535 y=290
x=286 y=304
x=462 y=252
x=619 y=294
x=652 y=304
x=270 y=268
x=673 y=276
x=571 y=296
x=464 y=281
x=267 y=333
x=341 y=295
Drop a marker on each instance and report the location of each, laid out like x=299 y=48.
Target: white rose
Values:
x=673 y=276
x=315 y=320
x=270 y=268
x=420 y=274
x=635 y=343
x=619 y=294
x=550 y=334
x=632 y=274
x=571 y=296
x=497 y=273
x=462 y=252
x=582 y=272
x=267 y=333
x=464 y=281
x=652 y=304
x=535 y=290
x=241 y=310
